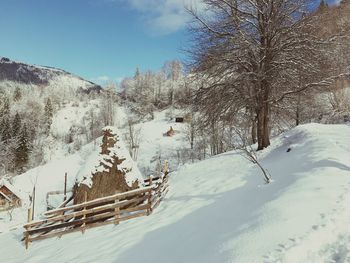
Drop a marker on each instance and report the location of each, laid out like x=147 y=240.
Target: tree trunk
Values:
x=297 y=113
x=263 y=133
x=253 y=128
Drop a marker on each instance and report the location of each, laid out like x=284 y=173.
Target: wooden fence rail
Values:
x=102 y=211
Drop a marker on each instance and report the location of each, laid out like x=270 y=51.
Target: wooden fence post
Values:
x=65 y=187
x=166 y=168
x=84 y=215
x=29 y=219
x=150 y=196
x=93 y=213
x=149 y=200
x=33 y=200
x=117 y=211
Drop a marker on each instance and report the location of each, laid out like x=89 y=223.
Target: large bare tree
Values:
x=255 y=53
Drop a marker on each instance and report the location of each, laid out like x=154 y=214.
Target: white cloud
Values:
x=163 y=16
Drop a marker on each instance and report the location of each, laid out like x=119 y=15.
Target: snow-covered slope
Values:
x=154 y=145
x=219 y=210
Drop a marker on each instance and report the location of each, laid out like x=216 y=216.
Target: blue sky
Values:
x=96 y=39
x=93 y=38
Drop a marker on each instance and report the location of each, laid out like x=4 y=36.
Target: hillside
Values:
x=219 y=210
x=54 y=111
x=26 y=74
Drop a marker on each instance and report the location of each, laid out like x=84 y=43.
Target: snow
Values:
x=154 y=145
x=70 y=81
x=220 y=210
x=67 y=117
x=72 y=116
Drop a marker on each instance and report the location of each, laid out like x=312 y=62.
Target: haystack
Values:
x=170 y=132
x=108 y=172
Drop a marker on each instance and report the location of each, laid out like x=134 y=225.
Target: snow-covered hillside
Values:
x=219 y=210
x=154 y=145
x=14 y=73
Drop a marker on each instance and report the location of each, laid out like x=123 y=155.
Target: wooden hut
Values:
x=179 y=119
x=8 y=196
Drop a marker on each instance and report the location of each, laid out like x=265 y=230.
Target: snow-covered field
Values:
x=220 y=210
x=154 y=145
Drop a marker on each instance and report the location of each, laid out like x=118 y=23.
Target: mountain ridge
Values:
x=25 y=73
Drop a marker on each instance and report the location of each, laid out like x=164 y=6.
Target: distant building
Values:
x=179 y=119
x=186 y=118
x=8 y=196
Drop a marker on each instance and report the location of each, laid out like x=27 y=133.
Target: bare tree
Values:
x=108 y=109
x=247 y=151
x=250 y=155
x=133 y=138
x=251 y=53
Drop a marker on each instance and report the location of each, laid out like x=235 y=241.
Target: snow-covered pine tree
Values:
x=5 y=129
x=17 y=94
x=16 y=125
x=48 y=114
x=5 y=107
x=5 y=125
x=22 y=150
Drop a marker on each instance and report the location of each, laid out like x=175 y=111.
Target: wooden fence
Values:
x=102 y=211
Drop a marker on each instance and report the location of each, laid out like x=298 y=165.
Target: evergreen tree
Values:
x=323 y=6
x=5 y=129
x=48 y=114
x=5 y=109
x=16 y=125
x=22 y=150
x=5 y=125
x=17 y=95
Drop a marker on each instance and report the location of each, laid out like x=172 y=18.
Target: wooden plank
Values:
x=90 y=220
x=163 y=189
x=76 y=222
x=153 y=179
x=136 y=208
x=100 y=215
x=166 y=190
x=158 y=199
x=86 y=220
x=160 y=185
x=89 y=211
x=66 y=202
x=156 y=204
x=101 y=200
x=63 y=232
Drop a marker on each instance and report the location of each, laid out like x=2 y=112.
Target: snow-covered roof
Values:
x=9 y=186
